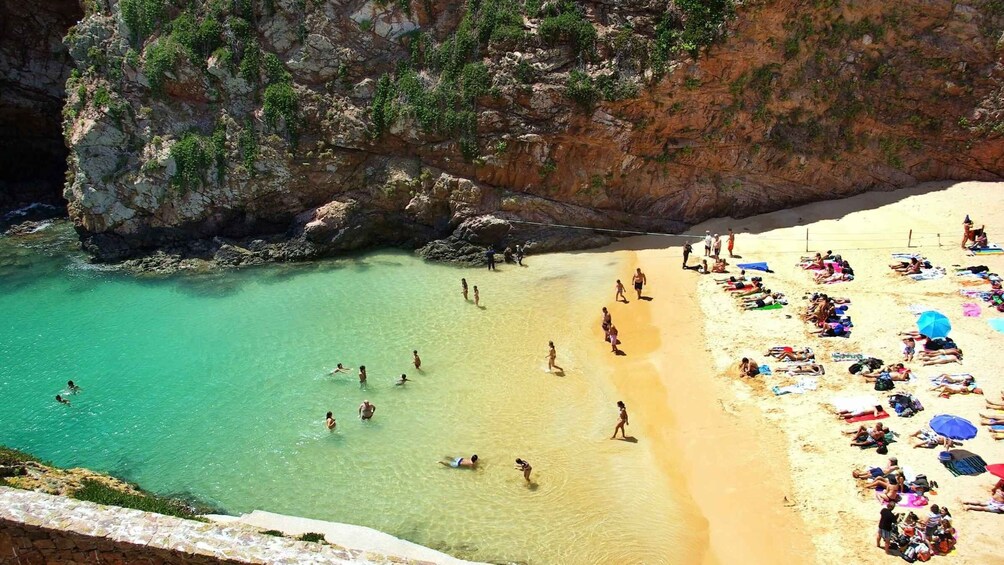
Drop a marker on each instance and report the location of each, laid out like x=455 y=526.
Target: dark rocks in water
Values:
x=31 y=214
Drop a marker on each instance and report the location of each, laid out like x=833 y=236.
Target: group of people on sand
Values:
x=509 y=255
x=830 y=267
x=750 y=294
x=712 y=250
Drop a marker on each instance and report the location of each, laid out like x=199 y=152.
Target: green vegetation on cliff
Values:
x=193 y=156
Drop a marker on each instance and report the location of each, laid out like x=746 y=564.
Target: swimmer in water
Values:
x=339 y=369
x=525 y=467
x=402 y=380
x=417 y=361
x=74 y=389
x=477 y=297
x=366 y=410
x=362 y=374
x=461 y=462
x=463 y=288
x=329 y=421
x=62 y=400
x=551 y=356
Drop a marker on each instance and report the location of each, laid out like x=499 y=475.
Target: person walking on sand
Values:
x=607 y=320
x=490 y=258
x=732 y=242
x=552 y=354
x=329 y=422
x=622 y=419
x=366 y=410
x=362 y=374
x=522 y=465
x=639 y=281
x=477 y=297
x=463 y=288
x=717 y=245
x=707 y=243
x=619 y=297
x=687 y=250
x=887 y=521
x=612 y=338
x=417 y=361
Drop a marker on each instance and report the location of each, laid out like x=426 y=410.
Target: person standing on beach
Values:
x=463 y=288
x=552 y=354
x=707 y=243
x=639 y=281
x=519 y=254
x=612 y=338
x=490 y=258
x=329 y=422
x=477 y=297
x=717 y=245
x=887 y=520
x=622 y=419
x=967 y=231
x=619 y=297
x=522 y=465
x=687 y=250
x=732 y=242
x=362 y=375
x=366 y=410
x=607 y=320
x=417 y=361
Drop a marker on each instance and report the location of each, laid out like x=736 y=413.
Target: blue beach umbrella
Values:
x=933 y=324
x=953 y=427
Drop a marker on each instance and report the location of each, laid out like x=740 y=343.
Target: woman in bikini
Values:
x=995 y=504
x=329 y=421
x=622 y=419
x=463 y=288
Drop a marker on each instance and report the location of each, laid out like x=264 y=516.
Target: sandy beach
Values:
x=772 y=474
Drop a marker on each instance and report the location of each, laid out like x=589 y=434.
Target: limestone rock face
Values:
x=323 y=127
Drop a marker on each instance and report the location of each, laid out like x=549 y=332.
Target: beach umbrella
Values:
x=933 y=324
x=997 y=470
x=953 y=427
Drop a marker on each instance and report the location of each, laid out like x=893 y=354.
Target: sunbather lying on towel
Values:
x=719 y=266
x=816 y=262
x=789 y=355
x=940 y=357
x=911 y=267
x=929 y=439
x=773 y=298
x=948 y=389
x=806 y=369
x=865 y=435
x=832 y=330
x=876 y=411
x=872 y=473
x=954 y=379
x=995 y=504
x=825 y=273
x=895 y=372
x=837 y=277
x=996 y=435
x=740 y=278
x=995 y=420
x=994 y=404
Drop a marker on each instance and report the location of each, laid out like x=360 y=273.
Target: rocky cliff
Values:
x=289 y=129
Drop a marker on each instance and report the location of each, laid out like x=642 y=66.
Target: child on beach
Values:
x=909 y=348
x=612 y=338
x=748 y=369
x=619 y=296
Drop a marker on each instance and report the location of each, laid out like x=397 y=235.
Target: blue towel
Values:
x=755 y=267
x=765 y=370
x=997 y=427
x=997 y=324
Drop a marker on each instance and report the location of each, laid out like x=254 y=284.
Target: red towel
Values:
x=868 y=417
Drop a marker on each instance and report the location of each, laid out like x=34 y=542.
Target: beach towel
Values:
x=774 y=306
x=853 y=403
x=918 y=309
x=800 y=387
x=907 y=256
x=997 y=427
x=765 y=370
x=840 y=357
x=974 y=465
x=997 y=324
x=941 y=380
x=867 y=417
x=928 y=274
x=970 y=310
x=979 y=252
x=911 y=500
x=755 y=267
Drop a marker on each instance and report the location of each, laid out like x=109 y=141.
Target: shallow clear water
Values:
x=217 y=385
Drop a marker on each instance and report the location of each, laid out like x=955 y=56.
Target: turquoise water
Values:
x=217 y=385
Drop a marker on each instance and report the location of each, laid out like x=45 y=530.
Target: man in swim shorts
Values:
x=366 y=410
x=732 y=242
x=461 y=462
x=707 y=243
x=639 y=281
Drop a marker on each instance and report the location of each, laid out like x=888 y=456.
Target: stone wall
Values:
x=44 y=529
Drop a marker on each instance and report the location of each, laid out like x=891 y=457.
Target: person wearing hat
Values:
x=707 y=243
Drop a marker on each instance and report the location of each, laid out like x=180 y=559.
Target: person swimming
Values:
x=74 y=389
x=366 y=410
x=417 y=361
x=461 y=462
x=339 y=369
x=402 y=380
x=61 y=400
x=522 y=465
x=329 y=421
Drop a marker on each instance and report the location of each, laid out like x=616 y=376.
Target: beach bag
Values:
x=915 y=404
x=884 y=382
x=870 y=363
x=921 y=483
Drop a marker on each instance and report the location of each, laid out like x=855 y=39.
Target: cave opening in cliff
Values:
x=34 y=66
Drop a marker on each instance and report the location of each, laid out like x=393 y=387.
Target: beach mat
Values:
x=755 y=267
x=997 y=427
x=867 y=417
x=911 y=500
x=765 y=370
x=970 y=466
x=774 y=306
x=840 y=357
x=997 y=324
